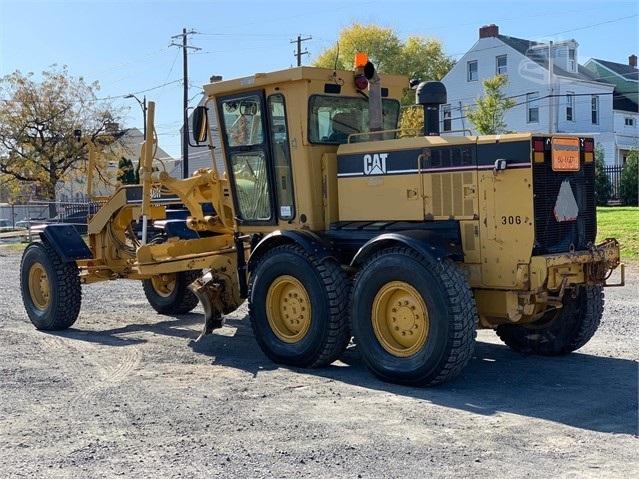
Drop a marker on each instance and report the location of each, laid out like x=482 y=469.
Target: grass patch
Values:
x=622 y=223
x=18 y=246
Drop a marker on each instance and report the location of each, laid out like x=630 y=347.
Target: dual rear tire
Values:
x=298 y=307
x=414 y=322
x=561 y=331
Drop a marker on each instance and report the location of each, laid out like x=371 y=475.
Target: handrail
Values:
x=92 y=161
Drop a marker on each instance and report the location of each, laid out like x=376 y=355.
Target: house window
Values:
x=502 y=66
x=629 y=121
x=447 y=118
x=572 y=59
x=472 y=71
x=532 y=100
x=594 y=109
x=570 y=101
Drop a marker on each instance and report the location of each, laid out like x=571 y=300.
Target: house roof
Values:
x=624 y=77
x=623 y=103
x=626 y=72
x=525 y=47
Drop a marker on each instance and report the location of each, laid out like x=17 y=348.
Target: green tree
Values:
x=628 y=187
x=411 y=123
x=126 y=172
x=38 y=118
x=418 y=57
x=603 y=185
x=488 y=116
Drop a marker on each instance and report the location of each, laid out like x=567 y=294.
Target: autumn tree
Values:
x=488 y=115
x=38 y=117
x=418 y=57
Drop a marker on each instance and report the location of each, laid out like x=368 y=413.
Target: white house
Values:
x=128 y=143
x=625 y=102
x=200 y=155
x=554 y=93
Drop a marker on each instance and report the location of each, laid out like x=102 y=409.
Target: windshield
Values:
x=333 y=120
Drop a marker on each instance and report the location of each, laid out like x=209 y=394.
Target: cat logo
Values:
x=375 y=164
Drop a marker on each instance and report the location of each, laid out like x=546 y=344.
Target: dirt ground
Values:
x=128 y=393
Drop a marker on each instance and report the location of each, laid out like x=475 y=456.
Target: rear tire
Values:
x=298 y=307
x=170 y=294
x=565 y=330
x=414 y=322
x=50 y=288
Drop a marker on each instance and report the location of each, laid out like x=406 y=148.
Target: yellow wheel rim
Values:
x=288 y=309
x=164 y=284
x=400 y=319
x=39 y=287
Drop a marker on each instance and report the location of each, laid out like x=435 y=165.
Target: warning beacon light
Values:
x=364 y=70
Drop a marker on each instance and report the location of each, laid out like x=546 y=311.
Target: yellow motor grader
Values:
x=336 y=225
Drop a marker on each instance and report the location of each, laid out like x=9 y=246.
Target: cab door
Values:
x=243 y=121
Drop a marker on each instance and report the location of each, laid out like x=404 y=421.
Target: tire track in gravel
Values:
x=92 y=367
x=80 y=370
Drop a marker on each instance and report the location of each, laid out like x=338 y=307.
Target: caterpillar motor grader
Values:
x=336 y=225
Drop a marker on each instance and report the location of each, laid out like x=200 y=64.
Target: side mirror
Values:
x=200 y=124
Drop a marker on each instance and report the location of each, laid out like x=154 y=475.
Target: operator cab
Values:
x=275 y=128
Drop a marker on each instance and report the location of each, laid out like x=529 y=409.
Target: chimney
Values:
x=215 y=78
x=632 y=60
x=488 y=31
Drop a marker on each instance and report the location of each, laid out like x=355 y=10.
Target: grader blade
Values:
x=208 y=292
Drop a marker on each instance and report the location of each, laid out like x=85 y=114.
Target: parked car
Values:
x=28 y=223
x=5 y=225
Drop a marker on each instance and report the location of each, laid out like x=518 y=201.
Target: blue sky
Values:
x=124 y=45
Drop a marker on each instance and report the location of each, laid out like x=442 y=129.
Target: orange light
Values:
x=361 y=59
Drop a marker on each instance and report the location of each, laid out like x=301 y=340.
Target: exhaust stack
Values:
x=431 y=94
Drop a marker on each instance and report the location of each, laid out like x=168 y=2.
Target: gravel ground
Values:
x=127 y=392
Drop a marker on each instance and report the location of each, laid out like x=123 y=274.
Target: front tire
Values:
x=298 y=307
x=562 y=331
x=414 y=322
x=51 y=290
x=170 y=294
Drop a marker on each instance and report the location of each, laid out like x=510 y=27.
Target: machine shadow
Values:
x=580 y=390
x=177 y=326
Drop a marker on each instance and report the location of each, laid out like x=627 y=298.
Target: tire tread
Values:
x=337 y=289
x=69 y=298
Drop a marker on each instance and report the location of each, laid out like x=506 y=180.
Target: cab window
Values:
x=336 y=120
x=243 y=132
x=281 y=154
x=241 y=120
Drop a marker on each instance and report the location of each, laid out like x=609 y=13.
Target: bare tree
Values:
x=38 y=148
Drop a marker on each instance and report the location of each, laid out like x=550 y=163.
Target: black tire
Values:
x=170 y=294
x=51 y=290
x=562 y=331
x=314 y=295
x=414 y=322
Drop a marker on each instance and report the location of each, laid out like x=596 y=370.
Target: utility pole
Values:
x=551 y=92
x=185 y=127
x=299 y=51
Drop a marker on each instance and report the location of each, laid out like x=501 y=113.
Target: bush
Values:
x=603 y=185
x=628 y=188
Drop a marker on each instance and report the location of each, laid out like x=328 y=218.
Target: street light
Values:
x=143 y=106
